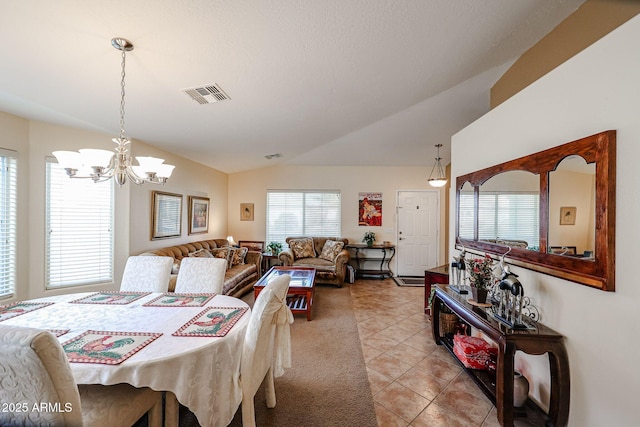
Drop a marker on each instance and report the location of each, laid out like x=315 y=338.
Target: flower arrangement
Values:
x=480 y=272
x=369 y=238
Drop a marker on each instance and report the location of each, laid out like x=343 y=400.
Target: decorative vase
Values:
x=520 y=389
x=479 y=295
x=369 y=243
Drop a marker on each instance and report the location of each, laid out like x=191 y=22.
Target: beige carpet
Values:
x=328 y=384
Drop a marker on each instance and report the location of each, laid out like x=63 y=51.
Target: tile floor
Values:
x=414 y=382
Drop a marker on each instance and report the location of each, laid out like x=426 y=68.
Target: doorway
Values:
x=418 y=232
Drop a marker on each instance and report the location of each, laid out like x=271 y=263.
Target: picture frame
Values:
x=252 y=245
x=198 y=215
x=567 y=215
x=166 y=215
x=246 y=211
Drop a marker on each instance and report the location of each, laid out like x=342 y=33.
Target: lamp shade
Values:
x=96 y=158
x=68 y=159
x=437 y=182
x=165 y=171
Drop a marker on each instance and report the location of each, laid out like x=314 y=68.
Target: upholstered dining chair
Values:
x=36 y=372
x=267 y=346
x=201 y=275
x=147 y=274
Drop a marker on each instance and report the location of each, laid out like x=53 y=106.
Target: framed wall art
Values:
x=166 y=215
x=567 y=215
x=246 y=211
x=198 y=215
x=370 y=209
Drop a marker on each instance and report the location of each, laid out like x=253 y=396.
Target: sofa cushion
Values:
x=331 y=249
x=221 y=253
x=176 y=266
x=302 y=248
x=317 y=263
x=236 y=256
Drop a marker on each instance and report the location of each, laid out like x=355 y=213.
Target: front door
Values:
x=418 y=232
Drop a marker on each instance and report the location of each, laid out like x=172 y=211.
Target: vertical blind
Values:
x=302 y=213
x=79 y=233
x=8 y=221
x=502 y=215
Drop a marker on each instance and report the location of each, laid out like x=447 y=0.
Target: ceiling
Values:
x=322 y=82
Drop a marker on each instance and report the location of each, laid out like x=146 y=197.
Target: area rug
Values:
x=328 y=384
x=409 y=281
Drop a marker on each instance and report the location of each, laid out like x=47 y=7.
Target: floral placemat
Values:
x=109 y=348
x=58 y=332
x=170 y=299
x=212 y=322
x=18 y=308
x=106 y=297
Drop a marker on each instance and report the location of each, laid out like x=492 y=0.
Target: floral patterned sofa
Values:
x=243 y=269
x=326 y=254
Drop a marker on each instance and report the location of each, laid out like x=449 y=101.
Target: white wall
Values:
x=597 y=90
x=251 y=187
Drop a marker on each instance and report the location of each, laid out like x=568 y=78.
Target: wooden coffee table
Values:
x=302 y=287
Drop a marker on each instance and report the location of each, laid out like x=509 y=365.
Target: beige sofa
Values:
x=330 y=272
x=238 y=279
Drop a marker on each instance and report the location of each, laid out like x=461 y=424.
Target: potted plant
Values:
x=274 y=247
x=369 y=238
x=481 y=277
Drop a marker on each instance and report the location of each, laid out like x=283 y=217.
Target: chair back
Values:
x=201 y=275
x=35 y=371
x=258 y=351
x=147 y=274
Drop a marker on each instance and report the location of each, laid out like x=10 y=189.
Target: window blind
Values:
x=8 y=221
x=79 y=233
x=302 y=213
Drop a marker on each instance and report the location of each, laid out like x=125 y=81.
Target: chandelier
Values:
x=101 y=165
x=440 y=178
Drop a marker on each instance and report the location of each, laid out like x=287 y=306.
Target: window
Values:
x=498 y=213
x=79 y=233
x=8 y=221
x=302 y=213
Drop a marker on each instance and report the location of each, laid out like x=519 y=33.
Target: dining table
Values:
x=187 y=345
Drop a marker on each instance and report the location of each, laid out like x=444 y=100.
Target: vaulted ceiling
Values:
x=326 y=82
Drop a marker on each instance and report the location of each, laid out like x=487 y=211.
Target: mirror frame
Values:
x=599 y=272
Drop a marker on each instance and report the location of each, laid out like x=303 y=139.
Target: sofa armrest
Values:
x=341 y=264
x=286 y=257
x=254 y=258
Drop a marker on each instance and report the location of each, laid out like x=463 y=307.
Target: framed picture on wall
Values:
x=198 y=215
x=567 y=216
x=370 y=209
x=166 y=215
x=246 y=211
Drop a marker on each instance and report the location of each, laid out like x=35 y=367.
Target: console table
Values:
x=538 y=340
x=384 y=255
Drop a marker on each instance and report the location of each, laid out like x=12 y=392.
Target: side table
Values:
x=383 y=256
x=438 y=275
x=267 y=261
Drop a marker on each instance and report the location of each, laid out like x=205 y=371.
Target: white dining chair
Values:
x=37 y=377
x=147 y=274
x=201 y=275
x=267 y=346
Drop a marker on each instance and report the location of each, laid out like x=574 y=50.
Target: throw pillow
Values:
x=302 y=248
x=201 y=253
x=237 y=255
x=220 y=253
x=331 y=249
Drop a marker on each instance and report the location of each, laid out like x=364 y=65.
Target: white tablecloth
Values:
x=202 y=372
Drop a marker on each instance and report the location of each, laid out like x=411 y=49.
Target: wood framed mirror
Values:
x=552 y=211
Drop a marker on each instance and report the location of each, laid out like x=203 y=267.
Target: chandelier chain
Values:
x=122 y=74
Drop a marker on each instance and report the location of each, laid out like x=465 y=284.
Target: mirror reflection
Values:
x=572 y=194
x=509 y=210
x=466 y=211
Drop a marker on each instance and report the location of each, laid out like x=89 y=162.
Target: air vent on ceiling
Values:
x=206 y=94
